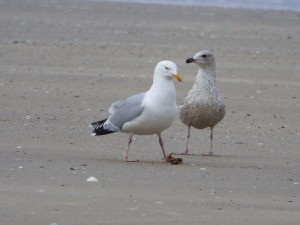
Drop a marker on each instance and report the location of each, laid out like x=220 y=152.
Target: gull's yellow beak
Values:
x=177 y=76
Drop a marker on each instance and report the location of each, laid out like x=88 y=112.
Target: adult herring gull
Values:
x=203 y=107
x=145 y=113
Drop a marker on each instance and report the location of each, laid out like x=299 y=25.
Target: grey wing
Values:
x=126 y=110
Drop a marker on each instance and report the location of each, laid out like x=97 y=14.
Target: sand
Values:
x=62 y=63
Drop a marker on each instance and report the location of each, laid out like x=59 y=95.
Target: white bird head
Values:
x=203 y=58
x=168 y=70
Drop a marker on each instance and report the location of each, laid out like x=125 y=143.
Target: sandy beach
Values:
x=62 y=64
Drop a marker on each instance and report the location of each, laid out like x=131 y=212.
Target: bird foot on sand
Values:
x=173 y=160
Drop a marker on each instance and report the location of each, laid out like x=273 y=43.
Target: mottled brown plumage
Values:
x=203 y=107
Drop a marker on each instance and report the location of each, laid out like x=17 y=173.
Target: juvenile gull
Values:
x=146 y=113
x=203 y=107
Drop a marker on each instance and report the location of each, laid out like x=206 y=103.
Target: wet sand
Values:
x=62 y=63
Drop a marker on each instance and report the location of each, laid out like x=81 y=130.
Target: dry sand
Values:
x=62 y=63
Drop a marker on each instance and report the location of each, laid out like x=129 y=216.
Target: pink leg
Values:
x=211 y=153
x=126 y=154
x=161 y=143
x=186 y=152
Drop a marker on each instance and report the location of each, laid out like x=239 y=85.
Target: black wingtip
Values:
x=99 y=129
x=97 y=124
x=190 y=60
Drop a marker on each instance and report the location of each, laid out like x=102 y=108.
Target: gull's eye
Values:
x=204 y=56
x=167 y=68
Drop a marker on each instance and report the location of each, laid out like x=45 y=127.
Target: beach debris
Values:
x=92 y=179
x=173 y=160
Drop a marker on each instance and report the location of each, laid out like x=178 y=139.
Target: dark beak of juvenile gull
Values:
x=190 y=60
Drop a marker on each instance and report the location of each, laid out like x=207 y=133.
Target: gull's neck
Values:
x=208 y=69
x=206 y=77
x=162 y=88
